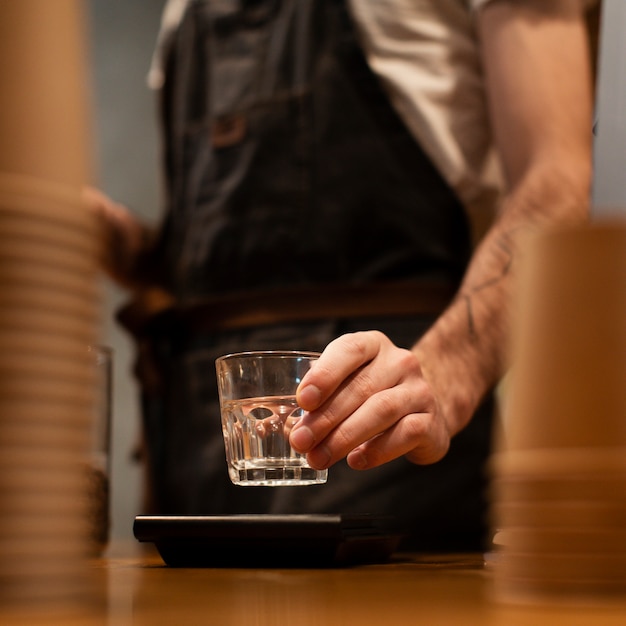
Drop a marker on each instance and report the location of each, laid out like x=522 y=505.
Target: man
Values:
x=321 y=159
x=540 y=110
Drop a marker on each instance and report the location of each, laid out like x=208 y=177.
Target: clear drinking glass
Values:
x=100 y=451
x=257 y=392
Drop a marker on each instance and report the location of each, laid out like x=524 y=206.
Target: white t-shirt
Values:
x=426 y=54
x=442 y=102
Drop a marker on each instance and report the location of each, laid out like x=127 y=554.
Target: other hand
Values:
x=123 y=237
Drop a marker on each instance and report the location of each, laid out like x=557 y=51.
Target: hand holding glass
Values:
x=257 y=392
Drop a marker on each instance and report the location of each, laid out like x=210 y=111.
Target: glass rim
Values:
x=267 y=353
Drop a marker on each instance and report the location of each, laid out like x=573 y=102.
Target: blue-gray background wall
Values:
x=609 y=192
x=122 y=34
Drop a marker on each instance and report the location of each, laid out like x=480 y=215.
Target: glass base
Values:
x=277 y=476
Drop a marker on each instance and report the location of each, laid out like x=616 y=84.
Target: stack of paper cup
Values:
x=558 y=474
x=49 y=315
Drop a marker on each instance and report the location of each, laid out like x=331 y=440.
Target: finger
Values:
x=341 y=358
x=419 y=437
x=373 y=419
x=352 y=413
x=316 y=426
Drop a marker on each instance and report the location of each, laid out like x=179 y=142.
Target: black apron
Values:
x=285 y=165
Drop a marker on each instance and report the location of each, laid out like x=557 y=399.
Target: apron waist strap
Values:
x=156 y=313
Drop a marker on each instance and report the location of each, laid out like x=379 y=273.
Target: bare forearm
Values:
x=465 y=352
x=371 y=401
x=538 y=85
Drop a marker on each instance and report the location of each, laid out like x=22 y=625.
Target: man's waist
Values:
x=157 y=311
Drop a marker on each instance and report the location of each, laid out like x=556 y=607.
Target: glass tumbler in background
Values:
x=100 y=452
x=257 y=392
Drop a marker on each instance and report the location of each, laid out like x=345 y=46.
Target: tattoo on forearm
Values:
x=504 y=244
x=470 y=316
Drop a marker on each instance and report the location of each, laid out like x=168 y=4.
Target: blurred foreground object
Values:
x=49 y=306
x=559 y=473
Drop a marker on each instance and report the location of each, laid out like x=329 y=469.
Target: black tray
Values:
x=268 y=540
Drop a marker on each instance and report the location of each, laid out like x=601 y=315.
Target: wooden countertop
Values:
x=134 y=587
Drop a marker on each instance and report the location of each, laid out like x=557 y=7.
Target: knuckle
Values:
x=408 y=359
x=386 y=404
x=428 y=445
x=320 y=375
x=321 y=422
x=355 y=345
x=408 y=362
x=375 y=455
x=343 y=440
x=363 y=386
x=415 y=427
x=326 y=421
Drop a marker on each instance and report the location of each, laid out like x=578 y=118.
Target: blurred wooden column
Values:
x=45 y=112
x=49 y=306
